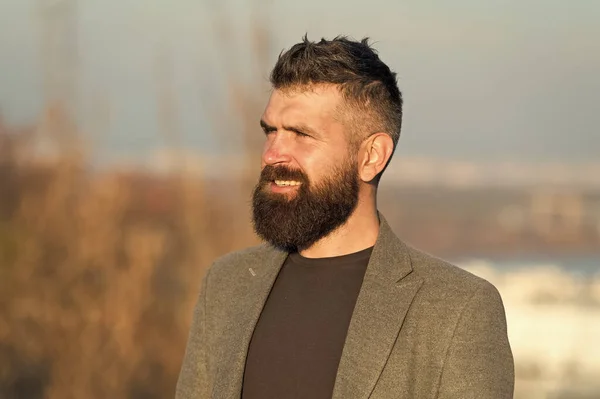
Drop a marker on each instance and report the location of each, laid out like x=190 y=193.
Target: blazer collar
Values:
x=386 y=294
x=258 y=280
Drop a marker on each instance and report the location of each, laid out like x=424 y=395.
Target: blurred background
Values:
x=129 y=144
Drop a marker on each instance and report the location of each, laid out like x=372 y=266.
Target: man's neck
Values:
x=359 y=232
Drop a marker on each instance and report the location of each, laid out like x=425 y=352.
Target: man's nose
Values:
x=277 y=150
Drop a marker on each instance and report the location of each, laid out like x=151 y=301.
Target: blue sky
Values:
x=481 y=79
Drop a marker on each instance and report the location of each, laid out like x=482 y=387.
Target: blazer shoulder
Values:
x=442 y=276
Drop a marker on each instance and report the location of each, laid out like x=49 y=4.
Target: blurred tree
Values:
x=247 y=86
x=99 y=271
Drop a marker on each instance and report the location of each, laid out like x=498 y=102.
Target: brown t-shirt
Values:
x=297 y=343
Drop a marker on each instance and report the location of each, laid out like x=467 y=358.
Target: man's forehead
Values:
x=318 y=102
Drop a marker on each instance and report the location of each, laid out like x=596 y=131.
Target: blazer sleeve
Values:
x=479 y=362
x=193 y=378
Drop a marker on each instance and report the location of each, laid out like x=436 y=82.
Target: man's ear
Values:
x=375 y=152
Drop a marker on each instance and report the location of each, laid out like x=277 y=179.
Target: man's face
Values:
x=309 y=181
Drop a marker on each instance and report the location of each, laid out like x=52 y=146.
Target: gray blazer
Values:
x=421 y=328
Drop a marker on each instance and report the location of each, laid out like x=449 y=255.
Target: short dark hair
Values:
x=365 y=82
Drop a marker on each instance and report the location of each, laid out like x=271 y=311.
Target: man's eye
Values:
x=302 y=134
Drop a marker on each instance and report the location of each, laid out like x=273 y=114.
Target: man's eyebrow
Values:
x=266 y=127
x=299 y=128
x=302 y=129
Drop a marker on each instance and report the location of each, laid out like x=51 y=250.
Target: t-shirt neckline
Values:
x=361 y=255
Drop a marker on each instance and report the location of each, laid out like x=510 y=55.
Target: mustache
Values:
x=270 y=173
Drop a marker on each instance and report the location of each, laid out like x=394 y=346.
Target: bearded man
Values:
x=334 y=304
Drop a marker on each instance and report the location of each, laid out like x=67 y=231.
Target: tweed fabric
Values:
x=421 y=328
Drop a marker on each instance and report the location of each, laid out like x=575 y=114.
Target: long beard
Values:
x=296 y=223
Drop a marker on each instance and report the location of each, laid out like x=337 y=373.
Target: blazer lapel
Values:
x=258 y=283
x=385 y=296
